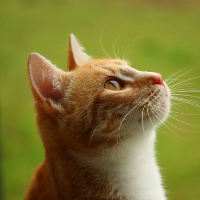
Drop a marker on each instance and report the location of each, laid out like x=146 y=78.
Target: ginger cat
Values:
x=97 y=124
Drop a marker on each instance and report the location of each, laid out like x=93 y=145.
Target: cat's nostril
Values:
x=158 y=79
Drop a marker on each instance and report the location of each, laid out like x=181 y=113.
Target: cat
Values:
x=97 y=124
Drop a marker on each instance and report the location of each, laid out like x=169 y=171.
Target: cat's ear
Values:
x=46 y=82
x=76 y=57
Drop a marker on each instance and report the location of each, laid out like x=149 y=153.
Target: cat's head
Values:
x=97 y=103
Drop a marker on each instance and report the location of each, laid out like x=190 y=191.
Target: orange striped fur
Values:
x=86 y=129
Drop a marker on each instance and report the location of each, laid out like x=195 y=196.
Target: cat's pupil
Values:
x=112 y=85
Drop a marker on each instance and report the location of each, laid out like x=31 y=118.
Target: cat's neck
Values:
x=132 y=168
x=129 y=172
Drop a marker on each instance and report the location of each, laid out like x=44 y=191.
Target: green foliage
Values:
x=166 y=39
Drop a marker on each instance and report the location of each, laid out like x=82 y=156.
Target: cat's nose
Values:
x=157 y=79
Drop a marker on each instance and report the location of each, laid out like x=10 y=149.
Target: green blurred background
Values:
x=166 y=38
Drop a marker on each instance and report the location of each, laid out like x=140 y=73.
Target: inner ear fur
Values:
x=46 y=81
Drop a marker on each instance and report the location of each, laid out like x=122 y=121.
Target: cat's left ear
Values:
x=76 y=57
x=46 y=81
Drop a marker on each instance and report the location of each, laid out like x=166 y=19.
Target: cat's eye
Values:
x=112 y=85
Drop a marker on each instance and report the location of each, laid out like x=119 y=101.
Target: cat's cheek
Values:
x=70 y=109
x=166 y=98
x=167 y=93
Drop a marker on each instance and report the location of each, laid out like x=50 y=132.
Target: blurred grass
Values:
x=166 y=35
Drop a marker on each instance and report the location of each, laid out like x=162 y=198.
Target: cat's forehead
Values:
x=118 y=68
x=109 y=63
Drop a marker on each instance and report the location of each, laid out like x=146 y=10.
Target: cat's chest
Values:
x=134 y=182
x=132 y=173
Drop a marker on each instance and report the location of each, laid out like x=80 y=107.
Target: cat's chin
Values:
x=155 y=109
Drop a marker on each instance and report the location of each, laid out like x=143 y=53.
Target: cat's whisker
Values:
x=143 y=121
x=178 y=127
x=154 y=106
x=104 y=53
x=156 y=115
x=150 y=119
x=188 y=124
x=102 y=45
x=164 y=123
x=124 y=54
x=130 y=52
x=185 y=81
x=114 y=47
x=184 y=87
x=172 y=80
x=178 y=116
x=128 y=55
x=188 y=89
x=118 y=139
x=161 y=121
x=183 y=91
x=185 y=95
x=177 y=106
x=187 y=101
x=181 y=113
x=184 y=113
x=92 y=135
x=187 y=84
x=172 y=75
x=128 y=114
x=159 y=127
